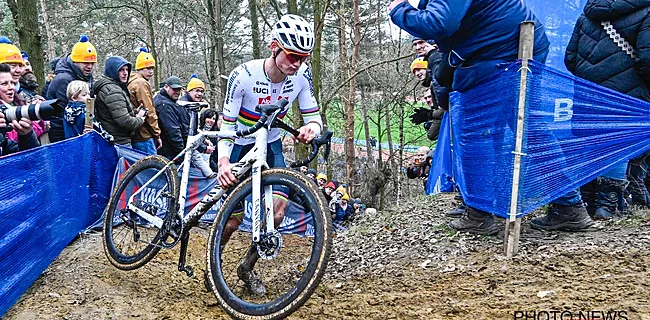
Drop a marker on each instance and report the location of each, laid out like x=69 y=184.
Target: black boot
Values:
x=607 y=201
x=475 y=221
x=457 y=212
x=589 y=192
x=637 y=173
x=567 y=218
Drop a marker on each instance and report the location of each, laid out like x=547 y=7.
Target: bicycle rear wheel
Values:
x=290 y=275
x=129 y=240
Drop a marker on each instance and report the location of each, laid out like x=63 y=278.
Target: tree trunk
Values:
x=316 y=57
x=255 y=29
x=219 y=50
x=51 y=51
x=26 y=20
x=151 y=33
x=366 y=128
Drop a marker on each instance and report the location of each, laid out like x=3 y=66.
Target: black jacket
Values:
x=438 y=91
x=593 y=55
x=173 y=132
x=66 y=72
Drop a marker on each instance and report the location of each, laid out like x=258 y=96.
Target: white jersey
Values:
x=248 y=86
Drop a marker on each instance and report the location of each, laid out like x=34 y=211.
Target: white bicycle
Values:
x=146 y=213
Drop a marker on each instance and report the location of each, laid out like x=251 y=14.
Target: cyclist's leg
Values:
x=275 y=159
x=237 y=215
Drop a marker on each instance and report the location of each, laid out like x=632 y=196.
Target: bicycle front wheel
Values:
x=288 y=265
x=129 y=240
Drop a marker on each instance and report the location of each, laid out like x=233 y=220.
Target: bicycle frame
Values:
x=254 y=160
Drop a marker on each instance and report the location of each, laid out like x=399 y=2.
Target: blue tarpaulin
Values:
x=440 y=177
x=574 y=131
x=48 y=195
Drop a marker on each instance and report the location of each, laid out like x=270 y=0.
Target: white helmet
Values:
x=294 y=33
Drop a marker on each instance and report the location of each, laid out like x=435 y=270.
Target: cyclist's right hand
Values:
x=224 y=176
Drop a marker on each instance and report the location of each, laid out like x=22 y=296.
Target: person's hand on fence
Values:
x=421 y=115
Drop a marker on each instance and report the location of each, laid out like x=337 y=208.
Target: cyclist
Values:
x=283 y=75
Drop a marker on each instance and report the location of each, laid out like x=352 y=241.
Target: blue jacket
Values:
x=66 y=72
x=592 y=55
x=476 y=30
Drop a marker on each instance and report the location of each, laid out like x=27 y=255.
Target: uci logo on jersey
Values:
x=261 y=90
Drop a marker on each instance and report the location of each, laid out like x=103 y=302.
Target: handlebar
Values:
x=268 y=110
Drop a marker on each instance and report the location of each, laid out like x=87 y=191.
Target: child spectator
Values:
x=75 y=112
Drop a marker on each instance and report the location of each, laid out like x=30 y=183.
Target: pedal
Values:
x=189 y=271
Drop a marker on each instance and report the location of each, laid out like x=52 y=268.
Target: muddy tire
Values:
x=293 y=274
x=129 y=242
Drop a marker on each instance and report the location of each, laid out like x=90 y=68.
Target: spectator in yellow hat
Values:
x=195 y=89
x=147 y=138
x=78 y=65
x=321 y=179
x=419 y=68
x=11 y=55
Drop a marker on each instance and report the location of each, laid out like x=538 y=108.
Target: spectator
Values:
x=431 y=116
x=481 y=36
x=419 y=69
x=209 y=122
x=173 y=131
x=311 y=173
x=304 y=169
x=194 y=93
x=592 y=55
x=75 y=112
x=113 y=106
x=50 y=76
x=78 y=65
x=147 y=137
x=428 y=51
x=421 y=164
x=26 y=136
x=11 y=55
x=321 y=179
x=327 y=191
x=28 y=65
x=343 y=209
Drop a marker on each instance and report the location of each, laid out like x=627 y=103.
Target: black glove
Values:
x=437 y=114
x=421 y=115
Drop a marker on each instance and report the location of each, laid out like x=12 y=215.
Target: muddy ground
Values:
x=398 y=264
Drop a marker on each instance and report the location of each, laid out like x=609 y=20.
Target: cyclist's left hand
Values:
x=307 y=134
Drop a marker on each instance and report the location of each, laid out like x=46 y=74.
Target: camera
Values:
x=42 y=110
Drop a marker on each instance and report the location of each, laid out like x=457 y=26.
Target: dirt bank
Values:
x=399 y=264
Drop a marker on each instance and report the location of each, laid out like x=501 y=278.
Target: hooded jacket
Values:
x=476 y=30
x=113 y=107
x=140 y=94
x=66 y=72
x=592 y=55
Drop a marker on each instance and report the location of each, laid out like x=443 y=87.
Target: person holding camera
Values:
x=26 y=136
x=113 y=107
x=421 y=164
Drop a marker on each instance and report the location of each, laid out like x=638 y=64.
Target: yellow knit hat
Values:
x=10 y=53
x=419 y=64
x=83 y=51
x=195 y=83
x=144 y=60
x=321 y=176
x=345 y=197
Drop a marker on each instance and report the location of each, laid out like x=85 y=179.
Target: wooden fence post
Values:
x=90 y=114
x=513 y=224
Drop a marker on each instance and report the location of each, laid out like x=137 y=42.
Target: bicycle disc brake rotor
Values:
x=269 y=245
